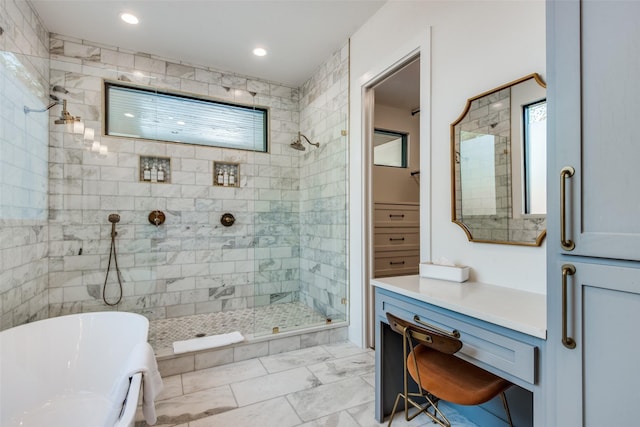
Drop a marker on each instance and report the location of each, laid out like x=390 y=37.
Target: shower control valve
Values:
x=227 y=220
x=157 y=218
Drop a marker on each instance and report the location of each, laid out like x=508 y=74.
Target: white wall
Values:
x=396 y=184
x=472 y=47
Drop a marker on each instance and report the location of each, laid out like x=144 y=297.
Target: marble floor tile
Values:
x=270 y=413
x=365 y=417
x=329 y=398
x=340 y=419
x=370 y=378
x=194 y=406
x=220 y=375
x=338 y=369
x=172 y=387
x=269 y=386
x=344 y=349
x=325 y=386
x=294 y=359
x=457 y=419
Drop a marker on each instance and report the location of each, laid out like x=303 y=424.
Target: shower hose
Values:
x=112 y=255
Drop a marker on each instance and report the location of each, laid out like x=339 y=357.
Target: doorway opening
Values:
x=392 y=177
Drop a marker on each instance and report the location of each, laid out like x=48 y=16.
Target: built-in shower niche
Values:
x=155 y=169
x=226 y=174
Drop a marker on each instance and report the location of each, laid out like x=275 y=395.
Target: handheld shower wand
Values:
x=113 y=219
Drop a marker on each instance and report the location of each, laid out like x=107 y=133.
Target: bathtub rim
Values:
x=129 y=404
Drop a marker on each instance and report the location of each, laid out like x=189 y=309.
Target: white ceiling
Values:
x=401 y=89
x=298 y=34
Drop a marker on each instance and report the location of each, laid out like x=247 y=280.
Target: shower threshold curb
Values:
x=253 y=347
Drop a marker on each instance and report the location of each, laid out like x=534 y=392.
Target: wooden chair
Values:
x=429 y=358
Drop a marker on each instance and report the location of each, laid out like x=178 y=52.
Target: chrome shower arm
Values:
x=28 y=110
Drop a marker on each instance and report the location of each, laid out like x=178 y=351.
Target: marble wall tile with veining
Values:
x=179 y=70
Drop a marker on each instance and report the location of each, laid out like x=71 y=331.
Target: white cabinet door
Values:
x=597 y=380
x=594 y=126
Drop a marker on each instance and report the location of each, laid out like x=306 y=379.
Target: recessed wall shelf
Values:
x=226 y=174
x=155 y=169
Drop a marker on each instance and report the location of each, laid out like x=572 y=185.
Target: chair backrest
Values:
x=432 y=339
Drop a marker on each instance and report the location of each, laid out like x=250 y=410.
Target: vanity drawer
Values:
x=481 y=346
x=396 y=238
x=396 y=263
x=396 y=215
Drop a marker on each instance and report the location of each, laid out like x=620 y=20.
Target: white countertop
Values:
x=521 y=311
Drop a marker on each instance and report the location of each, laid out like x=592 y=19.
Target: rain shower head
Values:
x=297 y=144
x=65 y=117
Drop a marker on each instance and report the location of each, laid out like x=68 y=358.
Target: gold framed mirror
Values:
x=498 y=164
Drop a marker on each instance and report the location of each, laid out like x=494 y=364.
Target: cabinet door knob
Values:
x=567 y=270
x=566 y=244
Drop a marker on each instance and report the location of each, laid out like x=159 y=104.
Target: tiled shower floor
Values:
x=249 y=322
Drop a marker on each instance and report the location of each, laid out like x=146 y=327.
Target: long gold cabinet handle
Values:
x=455 y=333
x=567 y=244
x=567 y=270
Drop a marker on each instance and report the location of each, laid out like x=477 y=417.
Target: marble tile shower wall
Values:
x=191 y=264
x=24 y=80
x=323 y=187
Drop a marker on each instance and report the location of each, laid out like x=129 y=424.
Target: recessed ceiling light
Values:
x=259 y=51
x=129 y=18
x=181 y=123
x=129 y=115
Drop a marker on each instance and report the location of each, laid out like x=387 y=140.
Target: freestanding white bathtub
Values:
x=69 y=371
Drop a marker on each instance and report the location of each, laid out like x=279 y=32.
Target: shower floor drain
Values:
x=200 y=335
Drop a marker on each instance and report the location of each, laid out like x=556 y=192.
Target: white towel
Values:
x=143 y=360
x=203 y=343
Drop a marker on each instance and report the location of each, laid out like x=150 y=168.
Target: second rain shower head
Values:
x=297 y=144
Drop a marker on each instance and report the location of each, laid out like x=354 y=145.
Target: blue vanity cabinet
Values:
x=593 y=240
x=502 y=331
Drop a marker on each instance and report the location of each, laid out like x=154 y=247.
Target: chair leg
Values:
x=431 y=401
x=506 y=408
x=395 y=406
x=438 y=417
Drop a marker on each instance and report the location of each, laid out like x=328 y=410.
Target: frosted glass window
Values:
x=389 y=148
x=148 y=114
x=535 y=157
